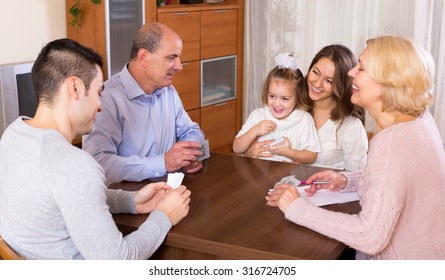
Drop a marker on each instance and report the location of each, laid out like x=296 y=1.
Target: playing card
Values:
x=277 y=142
x=205 y=149
x=289 y=180
x=174 y=180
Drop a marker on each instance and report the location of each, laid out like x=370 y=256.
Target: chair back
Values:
x=6 y=253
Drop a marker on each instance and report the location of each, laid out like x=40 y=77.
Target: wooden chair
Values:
x=6 y=253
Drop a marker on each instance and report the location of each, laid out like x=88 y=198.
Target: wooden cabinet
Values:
x=218 y=33
x=187 y=83
x=187 y=25
x=208 y=31
x=218 y=123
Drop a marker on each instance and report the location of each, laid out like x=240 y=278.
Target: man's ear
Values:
x=143 y=57
x=75 y=87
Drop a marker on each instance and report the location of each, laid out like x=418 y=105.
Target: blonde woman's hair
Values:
x=406 y=72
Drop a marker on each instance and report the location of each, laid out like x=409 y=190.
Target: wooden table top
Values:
x=229 y=217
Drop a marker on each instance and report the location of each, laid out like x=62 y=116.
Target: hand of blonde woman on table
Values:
x=337 y=182
x=175 y=204
x=145 y=199
x=282 y=196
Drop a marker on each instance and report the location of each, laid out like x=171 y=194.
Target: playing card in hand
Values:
x=174 y=180
x=205 y=149
x=289 y=180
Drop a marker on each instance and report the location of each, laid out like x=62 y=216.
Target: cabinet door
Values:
x=187 y=84
x=187 y=25
x=218 y=33
x=218 y=123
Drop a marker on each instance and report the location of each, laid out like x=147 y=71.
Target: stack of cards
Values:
x=174 y=180
x=205 y=149
x=289 y=180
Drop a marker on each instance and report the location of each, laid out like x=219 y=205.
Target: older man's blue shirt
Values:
x=135 y=129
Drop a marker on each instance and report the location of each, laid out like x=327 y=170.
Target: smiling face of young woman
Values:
x=320 y=79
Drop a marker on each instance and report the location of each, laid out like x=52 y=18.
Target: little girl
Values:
x=282 y=117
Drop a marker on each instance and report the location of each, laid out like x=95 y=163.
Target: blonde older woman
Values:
x=402 y=190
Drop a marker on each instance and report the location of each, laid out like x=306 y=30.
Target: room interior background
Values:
x=301 y=27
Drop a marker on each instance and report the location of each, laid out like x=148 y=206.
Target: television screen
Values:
x=16 y=93
x=26 y=96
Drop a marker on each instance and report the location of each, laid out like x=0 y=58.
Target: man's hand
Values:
x=145 y=199
x=194 y=167
x=183 y=155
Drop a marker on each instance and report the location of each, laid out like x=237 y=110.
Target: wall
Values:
x=27 y=25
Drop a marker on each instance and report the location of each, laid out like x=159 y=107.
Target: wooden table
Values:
x=229 y=218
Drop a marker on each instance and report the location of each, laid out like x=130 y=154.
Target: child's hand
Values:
x=280 y=149
x=264 y=127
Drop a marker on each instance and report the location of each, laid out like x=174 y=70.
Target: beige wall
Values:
x=27 y=25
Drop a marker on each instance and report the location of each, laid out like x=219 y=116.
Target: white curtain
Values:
x=303 y=27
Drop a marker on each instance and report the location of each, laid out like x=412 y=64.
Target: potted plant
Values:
x=77 y=13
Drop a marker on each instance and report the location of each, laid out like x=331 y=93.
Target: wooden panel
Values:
x=218 y=123
x=150 y=10
x=174 y=253
x=187 y=84
x=195 y=115
x=92 y=32
x=240 y=61
x=218 y=33
x=196 y=7
x=187 y=25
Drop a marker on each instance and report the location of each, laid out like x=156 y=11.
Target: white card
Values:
x=174 y=180
x=289 y=180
